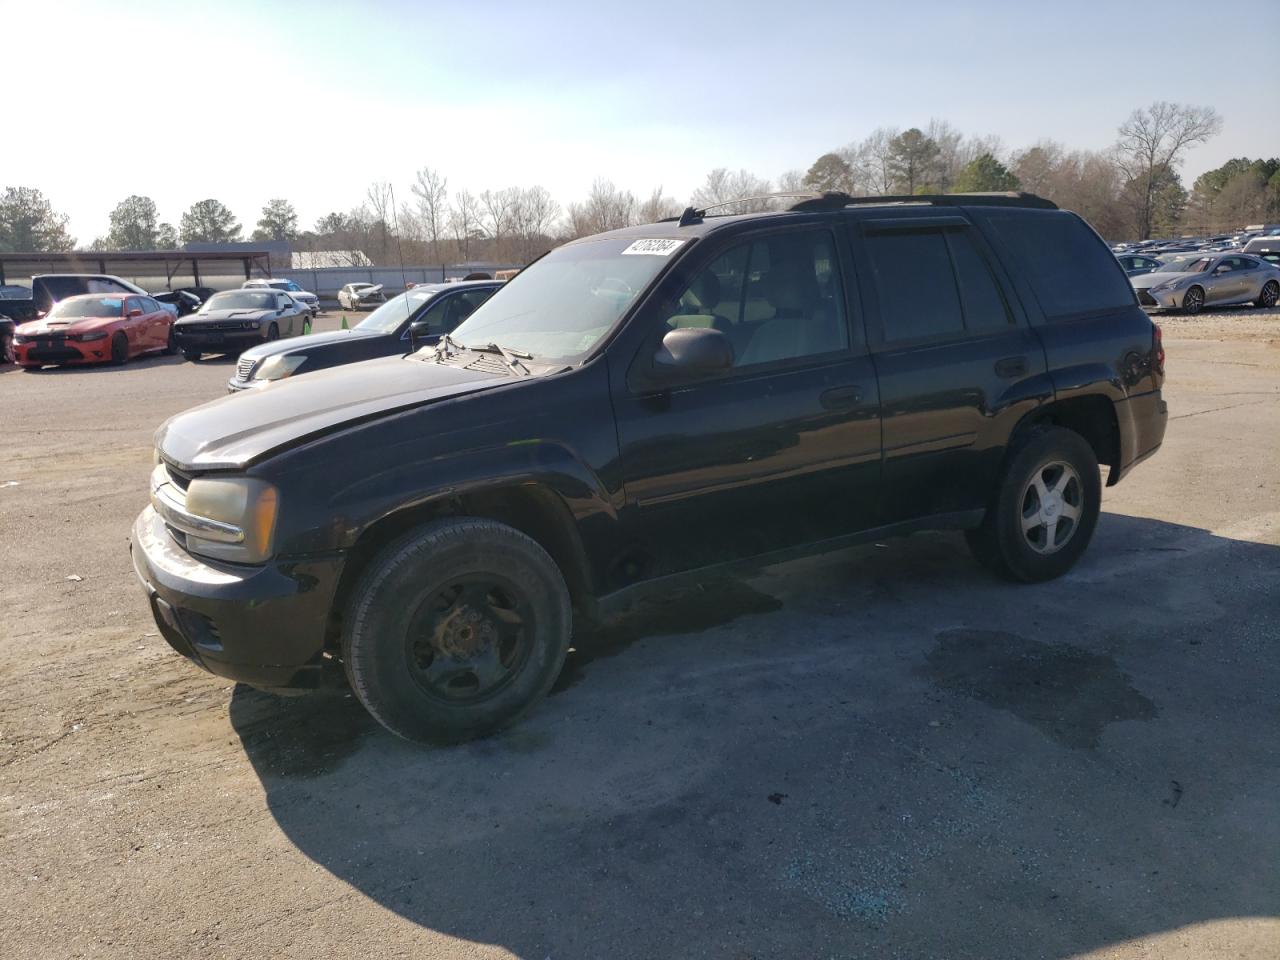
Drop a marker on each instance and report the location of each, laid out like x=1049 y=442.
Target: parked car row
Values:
x=1190 y=285
x=110 y=320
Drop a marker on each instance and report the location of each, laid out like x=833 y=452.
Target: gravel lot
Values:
x=880 y=754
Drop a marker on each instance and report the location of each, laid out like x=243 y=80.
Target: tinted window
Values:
x=133 y=303
x=1069 y=269
x=984 y=307
x=776 y=299
x=100 y=285
x=917 y=286
x=60 y=287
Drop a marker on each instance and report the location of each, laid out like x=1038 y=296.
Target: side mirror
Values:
x=419 y=331
x=693 y=351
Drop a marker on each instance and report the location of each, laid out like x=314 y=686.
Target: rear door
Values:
x=782 y=449
x=956 y=361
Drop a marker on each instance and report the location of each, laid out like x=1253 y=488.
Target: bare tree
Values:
x=533 y=214
x=1034 y=166
x=464 y=222
x=870 y=159
x=723 y=186
x=606 y=208
x=432 y=193
x=793 y=180
x=657 y=206
x=496 y=211
x=1153 y=140
x=379 y=198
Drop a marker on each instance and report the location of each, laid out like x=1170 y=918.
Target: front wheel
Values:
x=273 y=332
x=171 y=344
x=1270 y=293
x=119 y=348
x=456 y=630
x=1045 y=509
x=1193 y=300
x=191 y=356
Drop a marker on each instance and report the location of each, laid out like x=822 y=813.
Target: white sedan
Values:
x=357 y=296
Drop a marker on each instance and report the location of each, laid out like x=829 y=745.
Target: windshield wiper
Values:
x=511 y=356
x=445 y=347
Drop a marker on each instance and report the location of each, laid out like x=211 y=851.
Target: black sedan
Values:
x=432 y=309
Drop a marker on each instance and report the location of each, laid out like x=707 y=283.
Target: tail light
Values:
x=1157 y=347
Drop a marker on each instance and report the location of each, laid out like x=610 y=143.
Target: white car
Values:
x=304 y=297
x=357 y=296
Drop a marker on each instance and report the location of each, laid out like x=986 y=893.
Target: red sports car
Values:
x=93 y=328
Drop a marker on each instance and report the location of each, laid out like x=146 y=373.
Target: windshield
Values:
x=1196 y=266
x=89 y=307
x=396 y=311
x=561 y=306
x=240 y=300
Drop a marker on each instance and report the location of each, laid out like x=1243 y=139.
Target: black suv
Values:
x=640 y=405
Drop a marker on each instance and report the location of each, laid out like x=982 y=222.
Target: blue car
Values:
x=436 y=308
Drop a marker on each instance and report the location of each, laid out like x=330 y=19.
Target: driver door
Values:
x=782 y=449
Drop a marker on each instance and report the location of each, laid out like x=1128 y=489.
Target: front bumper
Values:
x=264 y=626
x=215 y=340
x=1165 y=300
x=69 y=351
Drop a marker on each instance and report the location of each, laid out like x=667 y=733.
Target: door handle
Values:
x=836 y=397
x=1011 y=367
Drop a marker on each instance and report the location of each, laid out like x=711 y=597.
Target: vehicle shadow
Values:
x=883 y=752
x=75 y=369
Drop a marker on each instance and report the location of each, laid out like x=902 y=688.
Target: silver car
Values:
x=1209 y=281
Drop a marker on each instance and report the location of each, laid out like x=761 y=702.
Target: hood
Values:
x=212 y=316
x=302 y=344
x=1147 y=280
x=68 y=326
x=369 y=291
x=233 y=431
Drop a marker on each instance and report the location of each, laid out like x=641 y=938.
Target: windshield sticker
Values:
x=656 y=248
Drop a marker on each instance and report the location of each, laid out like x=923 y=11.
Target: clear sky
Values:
x=244 y=101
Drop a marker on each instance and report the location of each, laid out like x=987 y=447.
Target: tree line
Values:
x=1131 y=190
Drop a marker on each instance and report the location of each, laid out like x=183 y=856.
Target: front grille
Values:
x=178 y=478
x=53 y=354
x=245 y=367
x=1146 y=299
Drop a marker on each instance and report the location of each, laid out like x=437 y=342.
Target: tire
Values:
x=456 y=630
x=191 y=356
x=1193 y=300
x=31 y=367
x=1014 y=537
x=1268 y=296
x=273 y=332
x=171 y=345
x=119 y=348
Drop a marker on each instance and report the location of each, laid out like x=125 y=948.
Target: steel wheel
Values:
x=467 y=640
x=1193 y=301
x=1270 y=293
x=1050 y=505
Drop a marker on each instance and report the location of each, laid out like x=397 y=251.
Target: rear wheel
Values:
x=456 y=630
x=1270 y=293
x=1193 y=300
x=119 y=348
x=1045 y=510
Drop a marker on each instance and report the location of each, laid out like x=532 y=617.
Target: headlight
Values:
x=251 y=324
x=278 y=367
x=243 y=509
x=88 y=337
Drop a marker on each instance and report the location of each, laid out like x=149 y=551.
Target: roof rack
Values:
x=1012 y=198
x=811 y=201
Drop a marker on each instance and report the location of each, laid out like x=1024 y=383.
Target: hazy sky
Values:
x=312 y=101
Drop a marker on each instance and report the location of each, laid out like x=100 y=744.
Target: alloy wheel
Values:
x=1051 y=505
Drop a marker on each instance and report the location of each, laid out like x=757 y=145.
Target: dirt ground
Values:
x=881 y=754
